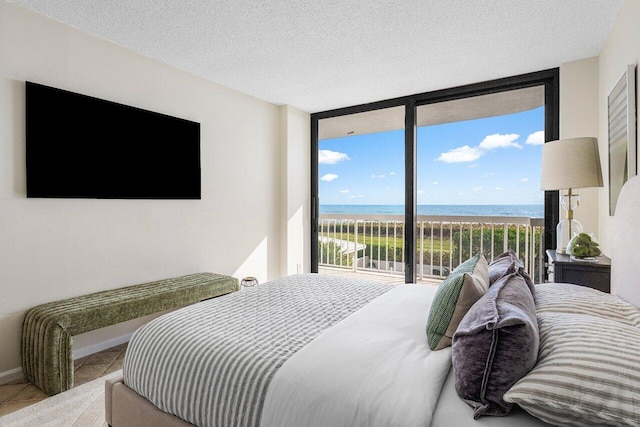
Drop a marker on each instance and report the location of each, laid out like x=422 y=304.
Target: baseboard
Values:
x=103 y=345
x=11 y=375
x=16 y=373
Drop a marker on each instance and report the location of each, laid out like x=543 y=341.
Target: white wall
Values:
x=295 y=189
x=52 y=249
x=622 y=48
x=579 y=117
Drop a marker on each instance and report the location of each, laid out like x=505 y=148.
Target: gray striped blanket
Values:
x=211 y=363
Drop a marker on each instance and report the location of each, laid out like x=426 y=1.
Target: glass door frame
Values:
x=550 y=79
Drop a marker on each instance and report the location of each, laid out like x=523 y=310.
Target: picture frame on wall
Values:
x=622 y=134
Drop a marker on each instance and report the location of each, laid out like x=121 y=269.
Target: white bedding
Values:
x=454 y=412
x=374 y=368
x=211 y=363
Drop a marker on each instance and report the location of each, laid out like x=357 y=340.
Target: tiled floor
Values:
x=21 y=393
x=380 y=277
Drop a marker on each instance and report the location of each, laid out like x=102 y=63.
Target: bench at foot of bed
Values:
x=48 y=329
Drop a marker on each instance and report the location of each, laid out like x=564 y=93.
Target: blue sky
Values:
x=490 y=161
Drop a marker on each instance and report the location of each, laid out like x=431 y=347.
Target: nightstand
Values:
x=596 y=275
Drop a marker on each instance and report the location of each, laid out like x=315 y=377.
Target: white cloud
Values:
x=344 y=191
x=472 y=166
x=498 y=140
x=498 y=188
x=381 y=176
x=481 y=188
x=329 y=177
x=420 y=192
x=487 y=175
x=328 y=157
x=536 y=138
x=525 y=179
x=359 y=196
x=391 y=173
x=373 y=176
x=435 y=183
x=460 y=154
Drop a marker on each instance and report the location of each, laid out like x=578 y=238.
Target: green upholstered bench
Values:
x=48 y=329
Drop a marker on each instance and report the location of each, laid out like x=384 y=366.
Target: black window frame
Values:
x=550 y=79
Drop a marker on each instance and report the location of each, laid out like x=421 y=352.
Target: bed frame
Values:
x=625 y=259
x=126 y=408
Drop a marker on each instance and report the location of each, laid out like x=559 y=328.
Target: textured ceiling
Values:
x=319 y=55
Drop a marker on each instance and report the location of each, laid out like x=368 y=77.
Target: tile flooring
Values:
x=394 y=279
x=20 y=393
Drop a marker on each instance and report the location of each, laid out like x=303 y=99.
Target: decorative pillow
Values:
x=495 y=345
x=507 y=263
x=567 y=298
x=455 y=295
x=588 y=373
x=501 y=264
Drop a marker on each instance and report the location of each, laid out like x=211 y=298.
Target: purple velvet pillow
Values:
x=495 y=345
x=508 y=263
x=501 y=264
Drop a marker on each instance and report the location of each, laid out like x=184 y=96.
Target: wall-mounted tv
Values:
x=83 y=147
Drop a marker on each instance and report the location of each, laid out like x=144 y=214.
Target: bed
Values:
x=314 y=350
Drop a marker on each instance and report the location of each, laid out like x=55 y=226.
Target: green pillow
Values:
x=455 y=296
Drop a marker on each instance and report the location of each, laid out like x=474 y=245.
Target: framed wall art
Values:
x=622 y=134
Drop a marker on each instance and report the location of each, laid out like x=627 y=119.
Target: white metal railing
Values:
x=374 y=243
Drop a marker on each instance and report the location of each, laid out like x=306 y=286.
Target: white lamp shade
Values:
x=571 y=163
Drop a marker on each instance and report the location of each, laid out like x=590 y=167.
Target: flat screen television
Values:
x=83 y=147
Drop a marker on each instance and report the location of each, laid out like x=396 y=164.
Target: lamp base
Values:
x=566 y=229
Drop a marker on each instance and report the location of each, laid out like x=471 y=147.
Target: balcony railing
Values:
x=375 y=243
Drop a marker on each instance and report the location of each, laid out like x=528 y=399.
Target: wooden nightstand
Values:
x=596 y=275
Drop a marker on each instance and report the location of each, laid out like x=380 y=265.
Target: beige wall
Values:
x=52 y=249
x=579 y=117
x=622 y=48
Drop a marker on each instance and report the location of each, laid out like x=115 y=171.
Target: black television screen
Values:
x=83 y=147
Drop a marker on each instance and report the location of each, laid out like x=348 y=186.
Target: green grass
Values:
x=445 y=245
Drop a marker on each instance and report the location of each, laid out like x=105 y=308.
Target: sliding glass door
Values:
x=376 y=166
x=478 y=180
x=361 y=193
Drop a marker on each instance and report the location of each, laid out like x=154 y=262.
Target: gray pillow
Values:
x=495 y=345
x=587 y=374
x=566 y=298
x=507 y=263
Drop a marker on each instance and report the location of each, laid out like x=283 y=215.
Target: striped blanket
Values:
x=211 y=363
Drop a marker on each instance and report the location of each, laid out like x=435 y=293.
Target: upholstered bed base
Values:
x=126 y=408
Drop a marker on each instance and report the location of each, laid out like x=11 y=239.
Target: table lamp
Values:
x=568 y=164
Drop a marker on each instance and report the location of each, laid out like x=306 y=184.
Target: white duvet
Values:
x=374 y=368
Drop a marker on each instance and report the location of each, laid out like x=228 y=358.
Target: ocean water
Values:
x=532 y=211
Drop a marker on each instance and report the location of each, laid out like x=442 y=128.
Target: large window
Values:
x=380 y=170
x=478 y=180
x=361 y=191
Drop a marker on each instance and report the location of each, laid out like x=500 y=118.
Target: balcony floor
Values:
x=381 y=277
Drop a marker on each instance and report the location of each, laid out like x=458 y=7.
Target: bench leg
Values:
x=47 y=355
